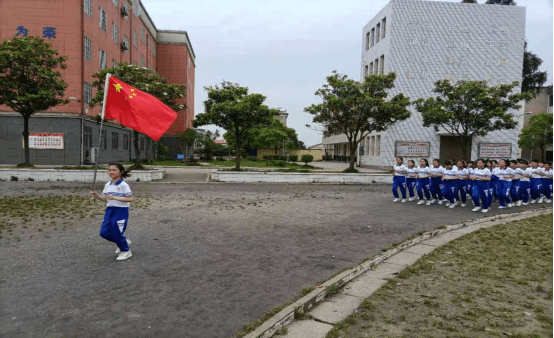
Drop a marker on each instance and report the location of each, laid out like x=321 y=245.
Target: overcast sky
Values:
x=284 y=49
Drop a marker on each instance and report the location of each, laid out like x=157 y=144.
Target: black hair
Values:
x=470 y=162
x=482 y=160
x=534 y=160
x=548 y=162
x=426 y=162
x=436 y=159
x=524 y=161
x=447 y=163
x=494 y=161
x=413 y=162
x=513 y=161
x=401 y=159
x=124 y=173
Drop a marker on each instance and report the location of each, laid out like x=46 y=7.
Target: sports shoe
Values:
x=124 y=255
x=533 y=201
x=448 y=204
x=518 y=204
x=453 y=205
x=510 y=205
x=421 y=202
x=548 y=201
x=485 y=210
x=433 y=200
x=396 y=200
x=501 y=207
x=476 y=209
x=117 y=251
x=428 y=202
x=525 y=203
x=411 y=199
x=403 y=200
x=440 y=202
x=540 y=200
x=462 y=205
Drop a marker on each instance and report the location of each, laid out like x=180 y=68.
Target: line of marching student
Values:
x=510 y=182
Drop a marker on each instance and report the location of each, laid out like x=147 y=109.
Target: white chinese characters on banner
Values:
x=495 y=150
x=45 y=141
x=410 y=149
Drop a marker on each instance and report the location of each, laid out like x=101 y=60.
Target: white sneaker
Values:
x=485 y=210
x=117 y=251
x=124 y=255
x=523 y=203
x=411 y=199
x=448 y=204
x=518 y=204
x=462 y=205
x=501 y=207
x=403 y=200
x=548 y=201
x=440 y=202
x=476 y=209
x=510 y=205
x=453 y=205
x=396 y=200
x=432 y=201
x=428 y=203
x=420 y=202
x=533 y=201
x=540 y=200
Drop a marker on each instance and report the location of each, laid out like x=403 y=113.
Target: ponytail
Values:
x=124 y=173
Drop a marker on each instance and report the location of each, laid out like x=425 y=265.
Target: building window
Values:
x=135 y=39
x=115 y=140
x=142 y=60
x=116 y=3
x=88 y=49
x=142 y=34
x=126 y=6
x=115 y=33
x=126 y=40
x=376 y=70
x=148 y=43
x=125 y=141
x=103 y=20
x=382 y=64
x=366 y=70
x=383 y=27
x=378 y=145
x=377 y=33
x=87 y=6
x=372 y=38
x=87 y=92
x=114 y=63
x=370 y=70
x=87 y=137
x=104 y=140
x=103 y=59
x=367 y=35
x=154 y=49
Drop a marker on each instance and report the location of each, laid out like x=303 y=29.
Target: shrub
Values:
x=266 y=157
x=306 y=158
x=280 y=163
x=220 y=158
x=280 y=157
x=252 y=158
x=293 y=158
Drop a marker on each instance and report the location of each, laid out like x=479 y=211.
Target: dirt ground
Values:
x=207 y=258
x=496 y=282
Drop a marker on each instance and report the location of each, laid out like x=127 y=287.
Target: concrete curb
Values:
x=313 y=177
x=74 y=175
x=286 y=316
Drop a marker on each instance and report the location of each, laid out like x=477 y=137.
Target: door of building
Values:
x=451 y=149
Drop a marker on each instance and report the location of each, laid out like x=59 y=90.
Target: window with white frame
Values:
x=126 y=41
x=148 y=43
x=149 y=65
x=116 y=3
x=87 y=7
x=114 y=63
x=115 y=33
x=103 y=59
x=142 y=60
x=103 y=20
x=142 y=36
x=87 y=92
x=135 y=39
x=88 y=48
x=154 y=49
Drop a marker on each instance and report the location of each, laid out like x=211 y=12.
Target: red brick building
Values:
x=94 y=34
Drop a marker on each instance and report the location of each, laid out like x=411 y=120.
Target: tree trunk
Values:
x=137 y=149
x=237 y=156
x=26 y=138
x=352 y=158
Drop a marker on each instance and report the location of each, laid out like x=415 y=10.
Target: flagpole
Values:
x=106 y=84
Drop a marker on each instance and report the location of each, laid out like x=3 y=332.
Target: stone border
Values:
x=313 y=177
x=75 y=175
x=286 y=316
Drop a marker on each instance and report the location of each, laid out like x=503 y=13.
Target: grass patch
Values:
x=259 y=164
x=495 y=281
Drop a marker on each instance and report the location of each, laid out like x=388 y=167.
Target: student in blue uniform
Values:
x=411 y=176
x=462 y=182
x=525 y=182
x=399 y=180
x=423 y=182
x=536 y=181
x=436 y=181
x=470 y=169
x=514 y=190
x=450 y=177
x=504 y=184
x=481 y=177
x=118 y=196
x=547 y=182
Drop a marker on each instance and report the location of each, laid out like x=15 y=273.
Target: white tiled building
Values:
x=426 y=41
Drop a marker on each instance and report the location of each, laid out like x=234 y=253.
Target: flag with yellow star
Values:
x=137 y=110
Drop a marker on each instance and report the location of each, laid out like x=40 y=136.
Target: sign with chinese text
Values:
x=410 y=149
x=495 y=150
x=45 y=141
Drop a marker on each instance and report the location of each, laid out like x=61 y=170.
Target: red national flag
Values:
x=137 y=110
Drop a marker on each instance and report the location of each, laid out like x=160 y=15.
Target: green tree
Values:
x=538 y=133
x=188 y=138
x=277 y=136
x=30 y=80
x=232 y=108
x=469 y=108
x=357 y=109
x=209 y=146
x=500 y=2
x=306 y=158
x=143 y=79
x=533 y=79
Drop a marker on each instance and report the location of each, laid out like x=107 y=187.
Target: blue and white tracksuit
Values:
x=469 y=181
x=436 y=182
x=515 y=194
x=423 y=184
x=462 y=184
x=481 y=189
x=399 y=180
x=504 y=184
x=493 y=184
x=536 y=182
x=450 y=184
x=547 y=184
x=525 y=186
x=116 y=215
x=411 y=181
